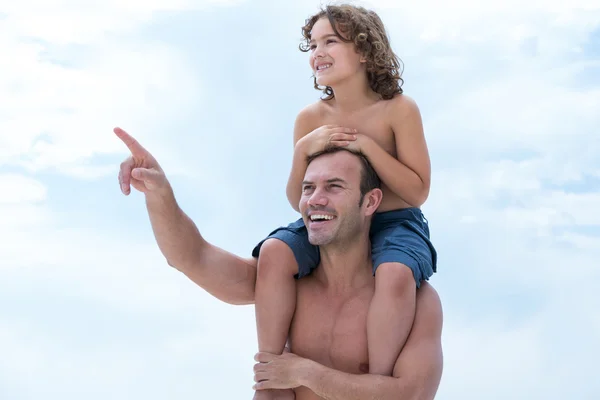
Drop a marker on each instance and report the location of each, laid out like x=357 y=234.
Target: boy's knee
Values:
x=395 y=277
x=276 y=254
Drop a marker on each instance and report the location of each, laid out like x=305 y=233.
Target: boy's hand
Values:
x=326 y=136
x=357 y=144
x=140 y=170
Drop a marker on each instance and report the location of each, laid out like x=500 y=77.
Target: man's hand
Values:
x=280 y=371
x=325 y=136
x=140 y=170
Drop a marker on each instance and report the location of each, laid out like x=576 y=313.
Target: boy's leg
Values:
x=403 y=257
x=274 y=303
x=275 y=295
x=390 y=316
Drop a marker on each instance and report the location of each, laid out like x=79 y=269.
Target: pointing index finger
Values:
x=133 y=145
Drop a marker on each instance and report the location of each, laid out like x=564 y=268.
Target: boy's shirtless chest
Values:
x=331 y=330
x=372 y=121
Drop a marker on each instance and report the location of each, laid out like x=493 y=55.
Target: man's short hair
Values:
x=369 y=179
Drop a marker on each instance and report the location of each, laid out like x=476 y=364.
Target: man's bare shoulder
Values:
x=428 y=315
x=421 y=359
x=428 y=300
x=420 y=363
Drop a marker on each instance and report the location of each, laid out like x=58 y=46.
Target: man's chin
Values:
x=319 y=240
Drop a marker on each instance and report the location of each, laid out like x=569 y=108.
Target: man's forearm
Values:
x=176 y=234
x=331 y=384
x=222 y=274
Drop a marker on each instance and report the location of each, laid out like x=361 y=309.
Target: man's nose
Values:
x=318 y=199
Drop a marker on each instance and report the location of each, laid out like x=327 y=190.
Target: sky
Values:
x=509 y=93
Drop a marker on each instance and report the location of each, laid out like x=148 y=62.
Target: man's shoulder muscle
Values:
x=421 y=359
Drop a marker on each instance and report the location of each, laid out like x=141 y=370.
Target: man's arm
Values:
x=224 y=275
x=417 y=372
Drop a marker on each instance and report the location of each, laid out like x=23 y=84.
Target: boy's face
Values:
x=332 y=59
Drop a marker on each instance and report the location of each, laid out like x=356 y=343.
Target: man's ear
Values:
x=372 y=201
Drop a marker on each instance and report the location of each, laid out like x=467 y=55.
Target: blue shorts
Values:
x=400 y=236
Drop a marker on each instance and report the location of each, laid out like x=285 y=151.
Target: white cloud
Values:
x=67 y=21
x=498 y=358
x=18 y=189
x=75 y=71
x=512 y=19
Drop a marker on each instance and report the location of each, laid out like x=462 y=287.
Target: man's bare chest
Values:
x=331 y=331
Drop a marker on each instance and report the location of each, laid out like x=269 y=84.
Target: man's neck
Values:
x=345 y=266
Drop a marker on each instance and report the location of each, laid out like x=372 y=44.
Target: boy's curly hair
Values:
x=366 y=30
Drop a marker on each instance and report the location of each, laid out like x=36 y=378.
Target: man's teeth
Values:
x=320 y=67
x=320 y=217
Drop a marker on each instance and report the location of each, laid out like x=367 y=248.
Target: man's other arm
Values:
x=417 y=372
x=224 y=275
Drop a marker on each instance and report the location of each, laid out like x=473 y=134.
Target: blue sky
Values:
x=509 y=95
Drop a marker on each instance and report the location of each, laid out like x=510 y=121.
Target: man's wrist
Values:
x=310 y=373
x=161 y=197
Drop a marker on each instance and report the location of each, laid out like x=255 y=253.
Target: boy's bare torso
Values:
x=373 y=121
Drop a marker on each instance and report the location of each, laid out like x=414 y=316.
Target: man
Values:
x=328 y=342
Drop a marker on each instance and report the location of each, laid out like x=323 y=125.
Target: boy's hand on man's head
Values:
x=327 y=136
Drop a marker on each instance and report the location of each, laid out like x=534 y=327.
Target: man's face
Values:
x=330 y=198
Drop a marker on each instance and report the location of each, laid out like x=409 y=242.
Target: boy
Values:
x=353 y=64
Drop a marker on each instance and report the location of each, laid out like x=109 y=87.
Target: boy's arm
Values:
x=409 y=175
x=304 y=125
